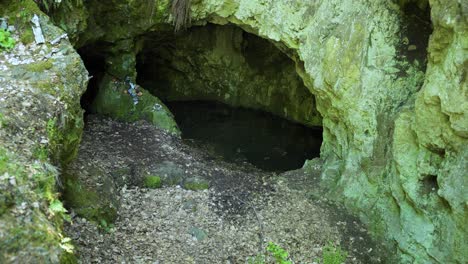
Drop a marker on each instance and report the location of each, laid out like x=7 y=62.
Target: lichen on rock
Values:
x=40 y=130
x=112 y=100
x=395 y=129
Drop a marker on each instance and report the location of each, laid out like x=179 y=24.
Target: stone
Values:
x=37 y=30
x=196 y=184
x=197 y=233
x=112 y=101
x=152 y=182
x=170 y=173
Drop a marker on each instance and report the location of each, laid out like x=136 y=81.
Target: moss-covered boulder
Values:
x=91 y=193
x=40 y=128
x=152 y=182
x=112 y=100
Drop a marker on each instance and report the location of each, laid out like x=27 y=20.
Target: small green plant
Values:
x=281 y=255
x=333 y=254
x=56 y=207
x=153 y=182
x=6 y=41
x=105 y=226
x=41 y=153
x=2 y=121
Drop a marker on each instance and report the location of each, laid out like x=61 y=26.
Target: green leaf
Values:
x=56 y=206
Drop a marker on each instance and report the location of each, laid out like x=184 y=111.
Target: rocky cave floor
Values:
x=230 y=222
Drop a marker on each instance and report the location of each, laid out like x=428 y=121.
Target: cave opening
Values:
x=95 y=62
x=236 y=95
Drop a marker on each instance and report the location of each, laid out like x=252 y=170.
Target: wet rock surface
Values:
x=230 y=222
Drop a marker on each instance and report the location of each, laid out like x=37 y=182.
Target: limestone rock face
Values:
x=395 y=136
x=395 y=123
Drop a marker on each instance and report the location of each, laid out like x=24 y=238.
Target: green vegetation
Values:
x=153 y=182
x=39 y=66
x=6 y=41
x=37 y=187
x=107 y=227
x=88 y=203
x=333 y=255
x=2 y=121
x=20 y=13
x=196 y=186
x=281 y=255
x=41 y=153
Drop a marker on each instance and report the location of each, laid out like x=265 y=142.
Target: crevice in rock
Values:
x=95 y=63
x=416 y=30
x=429 y=184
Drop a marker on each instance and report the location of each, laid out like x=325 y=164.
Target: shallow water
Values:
x=237 y=134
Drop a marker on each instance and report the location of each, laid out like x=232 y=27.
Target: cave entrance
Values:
x=234 y=92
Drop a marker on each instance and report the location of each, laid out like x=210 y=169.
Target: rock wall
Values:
x=395 y=135
x=40 y=129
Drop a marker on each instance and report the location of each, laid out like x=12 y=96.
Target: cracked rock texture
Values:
x=395 y=129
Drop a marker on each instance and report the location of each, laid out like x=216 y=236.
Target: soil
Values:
x=232 y=221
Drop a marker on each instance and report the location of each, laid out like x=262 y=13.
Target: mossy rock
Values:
x=153 y=182
x=114 y=102
x=39 y=66
x=95 y=202
x=196 y=184
x=20 y=13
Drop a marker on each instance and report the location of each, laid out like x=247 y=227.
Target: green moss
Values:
x=65 y=138
x=68 y=258
x=39 y=229
x=113 y=101
x=88 y=203
x=20 y=13
x=27 y=36
x=2 y=121
x=333 y=255
x=153 y=182
x=39 y=66
x=196 y=186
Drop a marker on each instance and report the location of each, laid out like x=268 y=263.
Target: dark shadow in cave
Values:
x=95 y=63
x=416 y=30
x=238 y=134
x=200 y=72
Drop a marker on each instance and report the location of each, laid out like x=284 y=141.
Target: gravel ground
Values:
x=230 y=222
